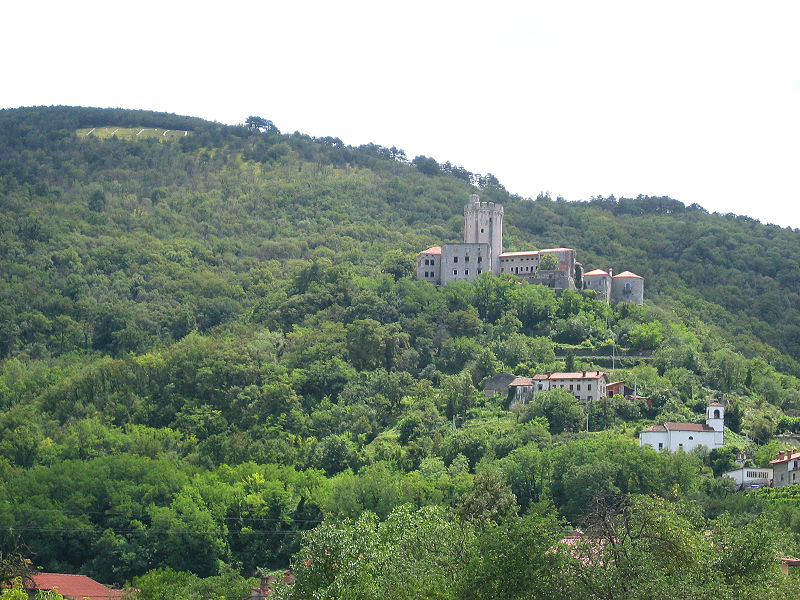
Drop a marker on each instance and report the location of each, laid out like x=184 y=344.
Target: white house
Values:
x=750 y=477
x=675 y=436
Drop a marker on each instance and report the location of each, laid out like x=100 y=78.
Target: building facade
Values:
x=687 y=436
x=750 y=477
x=586 y=386
x=482 y=252
x=786 y=468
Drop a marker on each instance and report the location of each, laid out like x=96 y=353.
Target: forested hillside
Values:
x=211 y=343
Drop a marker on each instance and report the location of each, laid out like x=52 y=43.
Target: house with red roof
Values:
x=73 y=587
x=686 y=436
x=586 y=386
x=786 y=468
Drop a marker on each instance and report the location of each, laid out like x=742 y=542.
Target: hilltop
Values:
x=216 y=338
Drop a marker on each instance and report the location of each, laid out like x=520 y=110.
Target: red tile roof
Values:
x=577 y=375
x=658 y=428
x=75 y=587
x=596 y=272
x=785 y=457
x=432 y=250
x=521 y=381
x=628 y=274
x=688 y=427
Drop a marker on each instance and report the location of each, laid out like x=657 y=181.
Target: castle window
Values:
x=578 y=387
x=691 y=437
x=660 y=445
x=466 y=271
x=502 y=270
x=480 y=259
x=716 y=413
x=466 y=259
x=455 y=271
x=479 y=271
x=627 y=288
x=481 y=229
x=427 y=262
x=589 y=387
x=455 y=259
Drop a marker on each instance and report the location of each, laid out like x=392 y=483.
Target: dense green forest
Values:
x=215 y=362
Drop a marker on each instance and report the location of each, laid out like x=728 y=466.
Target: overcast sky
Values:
x=699 y=101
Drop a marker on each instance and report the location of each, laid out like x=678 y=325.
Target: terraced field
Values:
x=131 y=133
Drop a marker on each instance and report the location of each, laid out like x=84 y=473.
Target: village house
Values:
x=750 y=477
x=785 y=468
x=586 y=386
x=73 y=587
x=686 y=436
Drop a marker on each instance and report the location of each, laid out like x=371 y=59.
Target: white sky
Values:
x=697 y=100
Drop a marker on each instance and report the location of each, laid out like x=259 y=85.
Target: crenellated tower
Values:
x=483 y=224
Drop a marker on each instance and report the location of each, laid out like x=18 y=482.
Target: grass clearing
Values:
x=131 y=133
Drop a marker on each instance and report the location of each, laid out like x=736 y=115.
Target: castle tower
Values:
x=483 y=224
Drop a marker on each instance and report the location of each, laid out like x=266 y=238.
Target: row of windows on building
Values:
x=430 y=274
x=466 y=271
x=517 y=258
x=466 y=259
x=577 y=387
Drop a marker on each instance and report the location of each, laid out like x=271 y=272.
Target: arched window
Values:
x=716 y=413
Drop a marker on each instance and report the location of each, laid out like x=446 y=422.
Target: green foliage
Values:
x=561 y=409
x=548 y=262
x=218 y=339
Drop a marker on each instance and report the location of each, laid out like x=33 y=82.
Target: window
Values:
x=481 y=229
x=691 y=437
x=479 y=271
x=455 y=271
x=660 y=445
x=578 y=387
x=455 y=259
x=716 y=413
x=540 y=386
x=589 y=386
x=627 y=288
x=466 y=271
x=570 y=387
x=427 y=262
x=680 y=445
x=466 y=259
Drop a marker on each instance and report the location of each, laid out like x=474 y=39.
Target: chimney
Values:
x=610 y=272
x=583 y=373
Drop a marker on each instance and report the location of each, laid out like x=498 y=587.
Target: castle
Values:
x=482 y=251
